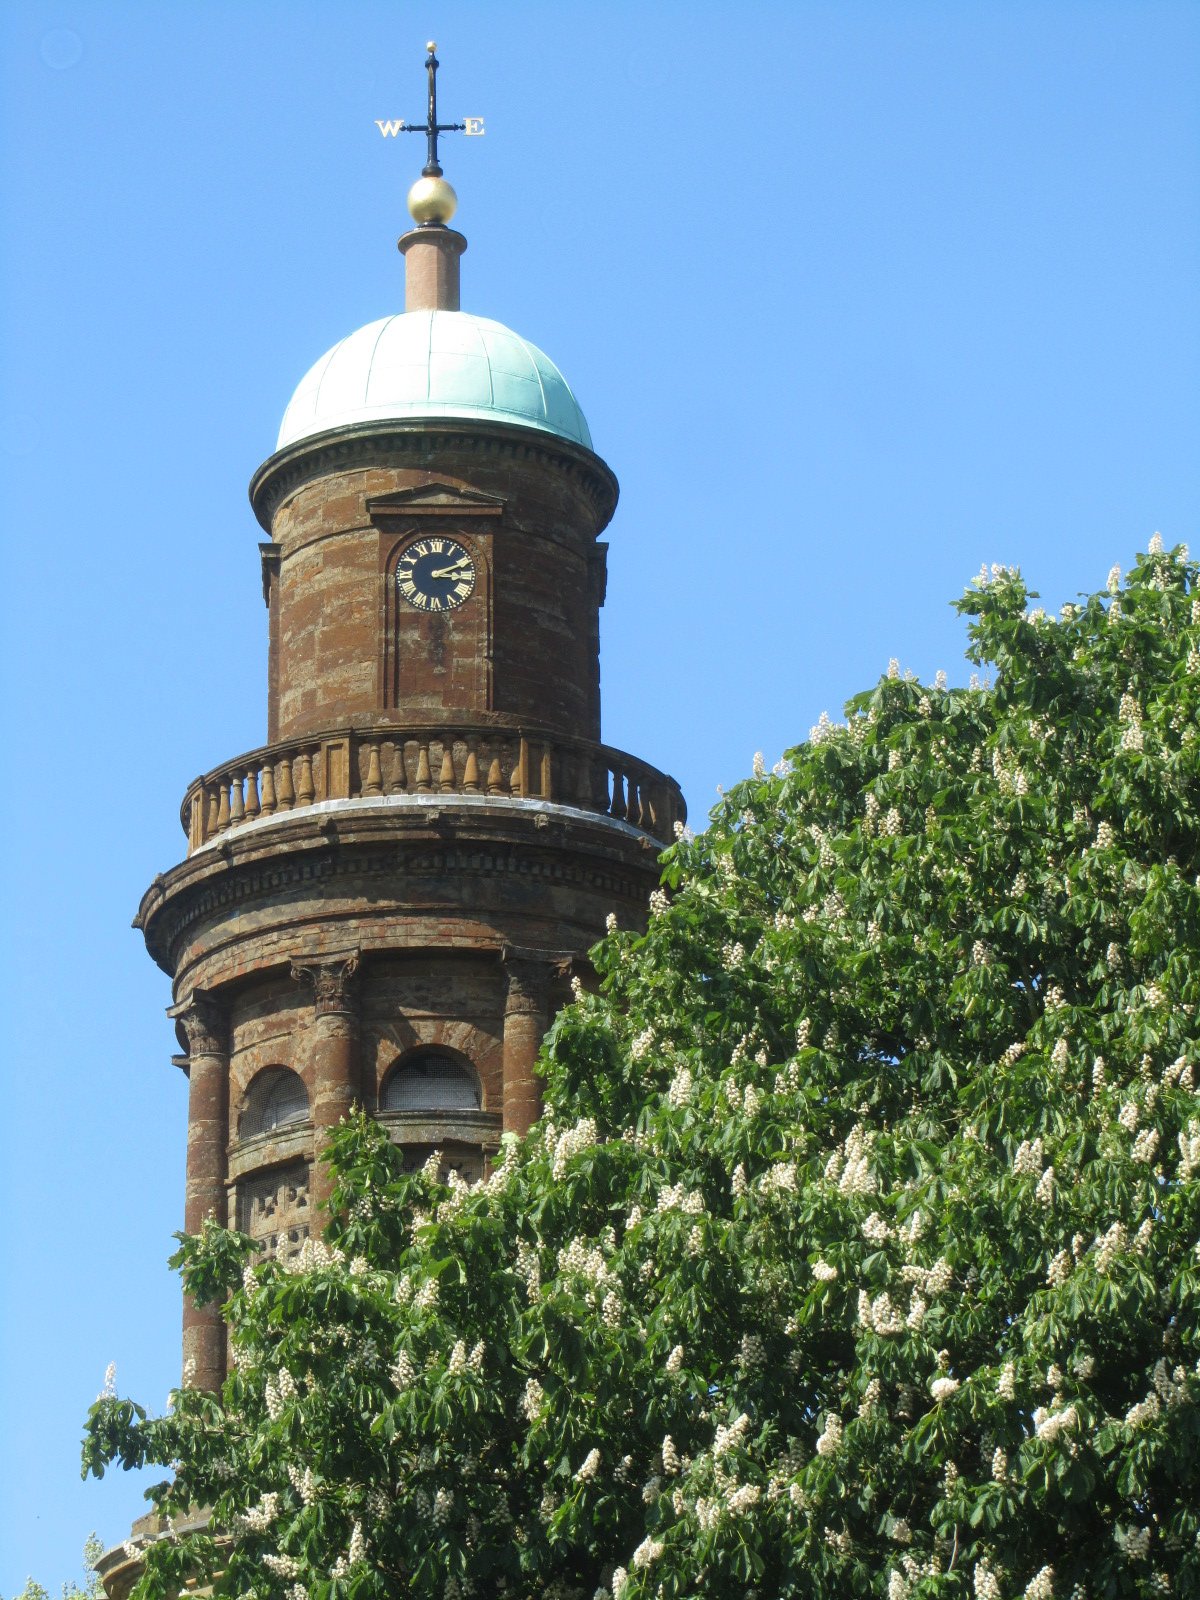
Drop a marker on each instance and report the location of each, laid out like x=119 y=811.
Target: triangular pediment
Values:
x=435 y=500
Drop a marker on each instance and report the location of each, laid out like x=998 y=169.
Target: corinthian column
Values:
x=206 y=1028
x=526 y=1019
x=333 y=1052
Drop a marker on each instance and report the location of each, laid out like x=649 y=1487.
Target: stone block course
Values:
x=340 y=936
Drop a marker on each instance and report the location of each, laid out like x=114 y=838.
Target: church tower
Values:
x=384 y=904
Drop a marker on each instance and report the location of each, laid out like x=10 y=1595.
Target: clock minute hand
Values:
x=449 y=572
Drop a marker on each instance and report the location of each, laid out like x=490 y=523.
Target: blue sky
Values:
x=854 y=295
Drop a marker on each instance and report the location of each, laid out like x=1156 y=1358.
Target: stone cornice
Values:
x=304 y=852
x=442 y=1127
x=421 y=443
x=276 y=1148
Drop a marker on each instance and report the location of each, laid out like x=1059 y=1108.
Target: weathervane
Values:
x=431 y=127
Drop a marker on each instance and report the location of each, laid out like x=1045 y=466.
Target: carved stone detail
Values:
x=434 y=499
x=269 y=554
x=273 y=1208
x=528 y=978
x=332 y=979
x=169 y=919
x=205 y=1024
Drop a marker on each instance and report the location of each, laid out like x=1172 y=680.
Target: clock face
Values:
x=435 y=574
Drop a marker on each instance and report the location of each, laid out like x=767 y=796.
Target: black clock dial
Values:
x=435 y=574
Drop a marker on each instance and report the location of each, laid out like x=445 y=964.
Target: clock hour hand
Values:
x=450 y=572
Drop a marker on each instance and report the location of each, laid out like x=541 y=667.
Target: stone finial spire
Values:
x=431 y=251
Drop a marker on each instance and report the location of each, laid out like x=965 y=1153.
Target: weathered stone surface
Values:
x=400 y=890
x=524 y=645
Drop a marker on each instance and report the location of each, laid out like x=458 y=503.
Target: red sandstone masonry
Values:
x=333 y=944
x=522 y=644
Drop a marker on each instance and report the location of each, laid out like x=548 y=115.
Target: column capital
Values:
x=528 y=974
x=203 y=1020
x=332 y=979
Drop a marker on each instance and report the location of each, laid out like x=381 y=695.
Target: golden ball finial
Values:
x=432 y=200
x=431 y=46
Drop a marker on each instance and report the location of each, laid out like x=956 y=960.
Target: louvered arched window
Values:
x=276 y=1098
x=432 y=1080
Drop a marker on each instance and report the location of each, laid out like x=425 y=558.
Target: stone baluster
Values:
x=526 y=1019
x=424 y=775
x=373 y=781
x=397 y=780
x=633 y=806
x=564 y=776
x=332 y=1050
x=518 y=781
x=666 y=814
x=652 y=798
x=205 y=1025
x=446 y=780
x=514 y=765
x=471 y=772
x=287 y=795
x=305 y=793
x=599 y=801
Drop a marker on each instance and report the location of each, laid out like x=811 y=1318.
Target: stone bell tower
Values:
x=384 y=904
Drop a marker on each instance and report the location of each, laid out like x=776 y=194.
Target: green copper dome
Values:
x=427 y=364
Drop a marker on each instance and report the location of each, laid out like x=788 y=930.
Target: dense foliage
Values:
x=857 y=1251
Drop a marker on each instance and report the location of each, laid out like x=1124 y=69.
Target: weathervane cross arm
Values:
x=431 y=127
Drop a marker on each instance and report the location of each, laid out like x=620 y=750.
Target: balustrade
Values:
x=465 y=760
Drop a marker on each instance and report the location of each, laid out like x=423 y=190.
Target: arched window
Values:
x=276 y=1098
x=432 y=1080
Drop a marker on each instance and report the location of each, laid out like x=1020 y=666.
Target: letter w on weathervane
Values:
x=389 y=130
